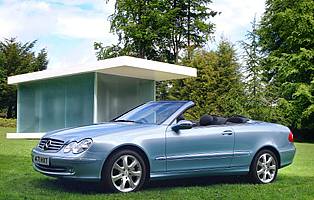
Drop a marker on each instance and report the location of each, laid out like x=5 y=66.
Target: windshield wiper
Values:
x=124 y=120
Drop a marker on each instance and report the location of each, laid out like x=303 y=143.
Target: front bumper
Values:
x=85 y=167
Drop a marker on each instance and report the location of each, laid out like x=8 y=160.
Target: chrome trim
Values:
x=74 y=159
x=160 y=158
x=50 y=145
x=199 y=156
x=54 y=173
x=242 y=153
x=237 y=153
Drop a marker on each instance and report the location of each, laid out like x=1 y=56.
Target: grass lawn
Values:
x=19 y=181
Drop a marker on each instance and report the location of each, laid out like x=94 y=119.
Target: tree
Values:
x=17 y=58
x=254 y=87
x=158 y=29
x=218 y=88
x=287 y=39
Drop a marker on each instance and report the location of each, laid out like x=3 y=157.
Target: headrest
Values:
x=206 y=120
x=217 y=120
x=237 y=119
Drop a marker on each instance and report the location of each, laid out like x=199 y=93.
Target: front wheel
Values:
x=264 y=167
x=125 y=171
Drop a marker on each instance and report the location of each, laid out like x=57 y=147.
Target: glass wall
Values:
x=69 y=101
x=118 y=94
x=55 y=103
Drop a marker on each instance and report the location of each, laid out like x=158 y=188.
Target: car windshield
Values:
x=151 y=113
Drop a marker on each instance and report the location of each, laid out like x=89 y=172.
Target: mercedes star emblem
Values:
x=46 y=146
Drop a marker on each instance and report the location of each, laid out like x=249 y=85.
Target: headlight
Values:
x=69 y=147
x=80 y=147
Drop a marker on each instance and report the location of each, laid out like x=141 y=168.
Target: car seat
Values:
x=206 y=120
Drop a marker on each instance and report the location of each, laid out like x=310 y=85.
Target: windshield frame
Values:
x=168 y=120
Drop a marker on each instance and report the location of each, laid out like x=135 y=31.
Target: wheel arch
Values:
x=271 y=148
x=132 y=147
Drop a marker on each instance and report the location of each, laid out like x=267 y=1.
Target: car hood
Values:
x=91 y=131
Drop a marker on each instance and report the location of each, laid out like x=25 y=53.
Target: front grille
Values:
x=52 y=145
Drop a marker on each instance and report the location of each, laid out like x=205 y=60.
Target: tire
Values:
x=264 y=167
x=124 y=171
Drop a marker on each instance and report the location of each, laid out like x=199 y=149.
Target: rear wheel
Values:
x=264 y=167
x=125 y=171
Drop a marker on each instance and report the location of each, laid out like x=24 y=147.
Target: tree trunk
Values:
x=15 y=111
x=9 y=111
x=189 y=21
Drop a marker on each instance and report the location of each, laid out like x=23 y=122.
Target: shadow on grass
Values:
x=68 y=185
x=197 y=181
x=95 y=187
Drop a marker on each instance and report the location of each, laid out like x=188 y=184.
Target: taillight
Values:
x=290 y=137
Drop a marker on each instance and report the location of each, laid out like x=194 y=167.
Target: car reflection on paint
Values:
x=155 y=141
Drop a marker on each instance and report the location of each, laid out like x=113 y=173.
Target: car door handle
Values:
x=227 y=132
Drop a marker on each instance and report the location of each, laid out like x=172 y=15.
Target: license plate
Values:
x=41 y=160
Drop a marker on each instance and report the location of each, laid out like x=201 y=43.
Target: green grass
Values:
x=19 y=181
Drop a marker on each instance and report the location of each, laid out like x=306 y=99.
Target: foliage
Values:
x=252 y=73
x=217 y=89
x=287 y=38
x=17 y=58
x=260 y=103
x=7 y=122
x=158 y=29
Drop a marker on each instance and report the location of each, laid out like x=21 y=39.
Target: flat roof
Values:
x=121 y=66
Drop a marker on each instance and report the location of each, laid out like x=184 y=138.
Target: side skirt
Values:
x=203 y=172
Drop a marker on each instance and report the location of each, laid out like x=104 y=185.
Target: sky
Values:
x=69 y=28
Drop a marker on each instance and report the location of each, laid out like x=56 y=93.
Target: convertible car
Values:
x=154 y=141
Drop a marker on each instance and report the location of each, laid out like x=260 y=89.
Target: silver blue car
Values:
x=155 y=141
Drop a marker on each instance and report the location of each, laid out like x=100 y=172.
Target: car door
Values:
x=199 y=148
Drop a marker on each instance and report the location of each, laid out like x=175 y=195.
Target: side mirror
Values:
x=182 y=124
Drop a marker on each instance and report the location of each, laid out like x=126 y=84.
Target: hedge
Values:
x=7 y=122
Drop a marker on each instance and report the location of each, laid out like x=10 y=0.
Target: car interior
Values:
x=207 y=120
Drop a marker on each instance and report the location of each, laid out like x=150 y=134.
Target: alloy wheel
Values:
x=266 y=168
x=126 y=173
